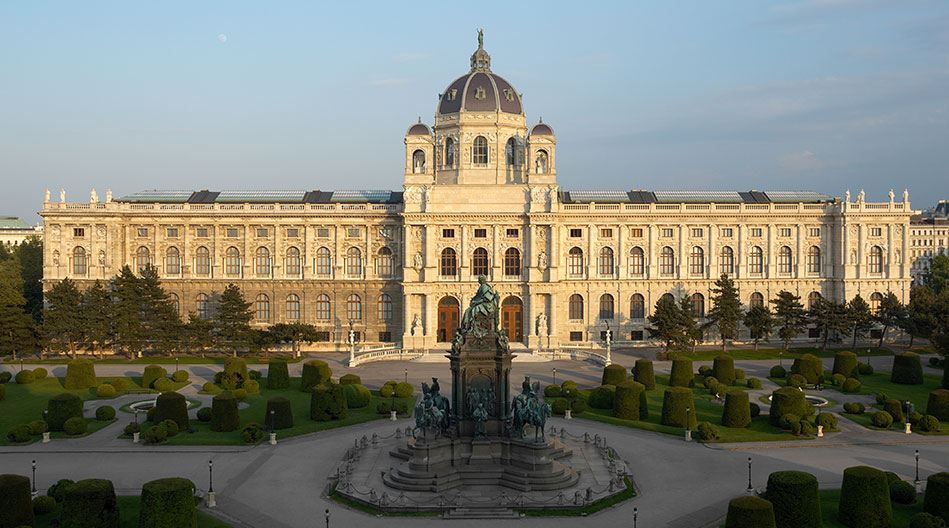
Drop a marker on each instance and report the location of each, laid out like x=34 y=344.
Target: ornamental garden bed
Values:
x=155 y=360
x=830 y=501
x=129 y=509
x=743 y=354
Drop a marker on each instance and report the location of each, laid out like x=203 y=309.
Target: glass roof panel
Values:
x=155 y=195
x=260 y=196
x=358 y=196
x=599 y=196
x=697 y=196
x=797 y=196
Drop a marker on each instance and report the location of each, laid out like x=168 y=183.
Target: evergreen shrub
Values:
x=705 y=370
x=895 y=408
x=787 y=400
x=559 y=406
x=755 y=409
x=350 y=379
x=827 y=420
x=163 y=385
x=795 y=497
x=37 y=427
x=132 y=428
x=156 y=434
x=882 y=419
x=16 y=506
x=936 y=500
x=152 y=373
x=796 y=381
x=578 y=406
x=749 y=512
x=278 y=374
x=709 y=381
x=902 y=492
x=384 y=407
x=737 y=411
x=172 y=406
x=251 y=386
x=929 y=424
x=854 y=408
x=3 y=392
x=120 y=384
x=255 y=375
x=723 y=368
x=209 y=386
x=339 y=408
x=552 y=391
x=168 y=503
x=851 y=385
x=321 y=400
x=357 y=396
x=404 y=390
x=58 y=491
x=43 y=504
x=252 y=433
x=569 y=385
x=315 y=372
x=778 y=371
x=938 y=404
x=240 y=394
x=613 y=374
x=25 y=377
x=643 y=373
x=282 y=413
x=674 y=402
x=105 y=413
x=754 y=383
x=845 y=364
x=388 y=390
x=809 y=366
x=105 y=390
x=40 y=373
x=236 y=369
x=5 y=377
x=224 y=415
x=682 y=373
x=865 y=499
x=80 y=374
x=90 y=503
x=204 y=414
x=838 y=380
x=907 y=369
x=171 y=427
x=75 y=426
x=739 y=374
x=626 y=400
x=926 y=520
x=602 y=397
x=62 y=407
x=401 y=407
x=19 y=434
x=180 y=376
x=864 y=369
x=707 y=431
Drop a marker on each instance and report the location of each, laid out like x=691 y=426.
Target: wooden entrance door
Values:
x=512 y=319
x=448 y=316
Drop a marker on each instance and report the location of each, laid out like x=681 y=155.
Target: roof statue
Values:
x=480 y=39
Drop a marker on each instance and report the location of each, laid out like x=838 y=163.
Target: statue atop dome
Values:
x=480 y=39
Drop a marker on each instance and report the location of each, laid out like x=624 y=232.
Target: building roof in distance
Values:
x=12 y=223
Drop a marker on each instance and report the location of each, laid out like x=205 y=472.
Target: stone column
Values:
x=430 y=304
x=769 y=270
x=681 y=259
x=799 y=256
x=739 y=253
x=889 y=252
x=553 y=335
x=713 y=271
x=621 y=267
x=651 y=256
x=861 y=256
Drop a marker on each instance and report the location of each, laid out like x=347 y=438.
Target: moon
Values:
x=222 y=37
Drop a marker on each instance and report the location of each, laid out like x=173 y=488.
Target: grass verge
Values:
x=129 y=508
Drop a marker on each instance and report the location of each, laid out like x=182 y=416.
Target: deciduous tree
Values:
x=891 y=314
x=859 y=318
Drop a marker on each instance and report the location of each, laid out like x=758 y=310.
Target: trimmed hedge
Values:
x=171 y=428
x=778 y=371
x=120 y=384
x=156 y=434
x=809 y=366
x=403 y=389
x=19 y=434
x=39 y=426
x=251 y=386
x=613 y=374
x=644 y=373
x=5 y=377
x=236 y=367
x=168 y=503
x=180 y=376
x=224 y=416
x=938 y=404
x=172 y=406
x=907 y=369
x=749 y=512
x=62 y=407
x=723 y=368
x=105 y=390
x=90 y=503
x=674 y=402
x=80 y=374
x=204 y=414
x=628 y=401
x=882 y=419
x=278 y=374
x=895 y=408
x=864 y=369
x=796 y=381
x=851 y=385
x=865 y=499
x=240 y=394
x=163 y=385
x=753 y=383
x=559 y=406
x=926 y=520
x=795 y=497
x=25 y=377
x=707 y=431
x=936 y=501
x=682 y=373
x=282 y=413
x=58 y=491
x=902 y=492
x=350 y=379
x=827 y=420
x=787 y=400
x=845 y=364
x=357 y=396
x=43 y=504
x=315 y=372
x=737 y=412
x=552 y=391
x=929 y=424
x=328 y=402
x=603 y=396
x=75 y=426
x=152 y=374
x=15 y=502
x=105 y=413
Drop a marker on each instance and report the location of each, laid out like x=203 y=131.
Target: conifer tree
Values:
x=161 y=323
x=726 y=310
x=920 y=320
x=97 y=316
x=232 y=325
x=30 y=254
x=199 y=333
x=859 y=318
x=691 y=333
x=294 y=333
x=666 y=323
x=790 y=316
x=17 y=328
x=62 y=317
x=891 y=314
x=937 y=278
x=760 y=322
x=129 y=333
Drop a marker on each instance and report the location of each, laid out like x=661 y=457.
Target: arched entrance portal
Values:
x=512 y=318
x=448 y=317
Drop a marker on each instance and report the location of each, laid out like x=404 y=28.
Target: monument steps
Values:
x=480 y=513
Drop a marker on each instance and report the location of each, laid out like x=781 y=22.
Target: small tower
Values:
x=541 y=154
x=419 y=154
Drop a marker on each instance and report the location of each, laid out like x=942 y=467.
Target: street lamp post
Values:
x=635 y=515
x=751 y=489
x=688 y=424
x=33 y=491
x=46 y=425
x=916 y=482
x=406 y=380
x=554 y=370
x=327 y=515
x=211 y=502
x=273 y=431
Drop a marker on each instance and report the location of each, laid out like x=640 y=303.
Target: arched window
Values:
x=726 y=260
x=479 y=151
x=143 y=258
x=637 y=261
x=323 y=307
x=418 y=162
x=813 y=260
x=813 y=299
x=512 y=262
x=479 y=262
x=172 y=261
x=698 y=305
x=876 y=260
x=667 y=261
x=202 y=306
x=232 y=261
x=354 y=307
x=510 y=152
x=540 y=165
x=202 y=261
x=449 y=152
x=576 y=307
x=697 y=261
x=667 y=297
x=755 y=260
x=293 y=307
x=175 y=303
x=293 y=262
x=79 y=262
x=384 y=262
x=353 y=262
x=448 y=264
x=756 y=300
x=637 y=307
x=262 y=308
x=784 y=260
x=606 y=261
x=606 y=307
x=575 y=262
x=385 y=307
x=262 y=262
x=324 y=262
x=876 y=299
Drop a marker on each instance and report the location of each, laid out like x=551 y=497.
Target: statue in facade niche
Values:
x=418 y=261
x=542 y=260
x=417 y=325
x=542 y=325
x=479 y=415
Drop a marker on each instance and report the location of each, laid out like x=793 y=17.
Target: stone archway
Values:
x=512 y=318
x=449 y=314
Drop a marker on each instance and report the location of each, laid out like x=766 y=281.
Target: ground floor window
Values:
x=385 y=337
x=576 y=336
x=636 y=335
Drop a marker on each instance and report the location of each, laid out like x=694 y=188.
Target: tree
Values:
x=30 y=254
x=920 y=320
x=830 y=318
x=666 y=323
x=97 y=316
x=127 y=312
x=17 y=328
x=790 y=316
x=940 y=334
x=199 y=333
x=233 y=319
x=726 y=309
x=62 y=317
x=860 y=318
x=692 y=332
x=891 y=314
x=294 y=333
x=161 y=323
x=760 y=321
x=937 y=278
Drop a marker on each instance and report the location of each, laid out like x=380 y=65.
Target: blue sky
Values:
x=816 y=94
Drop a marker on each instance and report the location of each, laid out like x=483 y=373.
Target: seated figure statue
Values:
x=484 y=303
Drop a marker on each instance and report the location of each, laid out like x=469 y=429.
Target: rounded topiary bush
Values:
x=240 y=394
x=224 y=415
x=388 y=390
x=936 y=500
x=384 y=407
x=236 y=369
x=80 y=374
x=749 y=512
x=938 y=404
x=737 y=412
x=682 y=373
x=851 y=385
x=282 y=413
x=75 y=426
x=25 y=377
x=204 y=414
x=709 y=381
x=172 y=406
x=795 y=497
x=567 y=385
x=252 y=433
x=171 y=428
x=895 y=408
x=755 y=409
x=778 y=371
x=132 y=428
x=315 y=372
x=180 y=376
x=675 y=400
x=838 y=380
x=37 y=427
x=163 y=385
x=90 y=503
x=707 y=431
x=929 y=424
x=907 y=369
x=255 y=374
x=357 y=396
x=40 y=373
x=350 y=379
x=739 y=374
x=754 y=383
x=19 y=434
x=151 y=374
x=251 y=386
x=854 y=408
x=787 y=400
x=602 y=397
x=401 y=407
x=902 y=492
x=278 y=374
x=105 y=390
x=865 y=499
x=58 y=491
x=613 y=375
x=809 y=366
x=209 y=387
x=578 y=406
x=62 y=407
x=827 y=420
x=644 y=373
x=627 y=401
x=845 y=364
x=882 y=419
x=796 y=381
x=559 y=406
x=120 y=384
x=403 y=390
x=43 y=505
x=5 y=377
x=16 y=506
x=552 y=391
x=168 y=503
x=705 y=370
x=864 y=369
x=105 y=413
x=156 y=434
x=926 y=520
x=723 y=368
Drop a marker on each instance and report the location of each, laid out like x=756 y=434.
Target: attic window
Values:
x=479 y=93
x=451 y=95
x=508 y=94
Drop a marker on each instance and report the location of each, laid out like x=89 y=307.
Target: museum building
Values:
x=480 y=197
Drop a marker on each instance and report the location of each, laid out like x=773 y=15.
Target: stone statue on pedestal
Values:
x=479 y=415
x=417 y=325
x=485 y=302
x=529 y=411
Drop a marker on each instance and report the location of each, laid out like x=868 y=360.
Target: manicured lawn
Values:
x=778 y=353
x=160 y=360
x=129 y=508
x=830 y=499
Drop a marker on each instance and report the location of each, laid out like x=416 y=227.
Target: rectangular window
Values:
x=172 y=232
x=202 y=232
x=698 y=232
x=293 y=232
x=813 y=333
x=756 y=232
x=481 y=233
x=576 y=336
x=576 y=233
x=606 y=233
x=143 y=231
x=785 y=231
x=814 y=232
x=512 y=233
x=352 y=232
x=448 y=233
x=726 y=232
x=667 y=232
x=231 y=232
x=263 y=232
x=79 y=232
x=322 y=337
x=636 y=232
x=385 y=337
x=323 y=232
x=636 y=335
x=602 y=335
x=876 y=231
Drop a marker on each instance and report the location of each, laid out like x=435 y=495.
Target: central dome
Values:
x=480 y=90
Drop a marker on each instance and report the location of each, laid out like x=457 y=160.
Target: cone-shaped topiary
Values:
x=675 y=400
x=321 y=402
x=938 y=404
x=339 y=408
x=224 y=415
x=907 y=369
x=723 y=369
x=350 y=379
x=357 y=396
x=16 y=505
x=895 y=408
x=282 y=413
x=936 y=501
x=602 y=397
x=278 y=375
x=315 y=372
x=80 y=374
x=809 y=366
x=90 y=503
x=787 y=400
x=737 y=412
x=152 y=374
x=845 y=362
x=749 y=512
x=643 y=373
x=626 y=403
x=796 y=500
x=865 y=499
x=172 y=406
x=682 y=373
x=61 y=408
x=613 y=374
x=168 y=503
